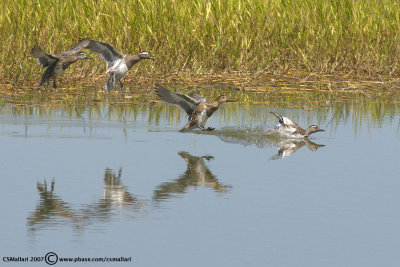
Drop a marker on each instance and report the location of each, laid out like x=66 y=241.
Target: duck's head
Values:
x=145 y=55
x=83 y=55
x=313 y=129
x=223 y=99
x=36 y=51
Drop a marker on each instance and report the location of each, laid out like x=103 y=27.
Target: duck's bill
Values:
x=231 y=101
x=320 y=130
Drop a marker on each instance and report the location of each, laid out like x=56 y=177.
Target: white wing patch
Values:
x=113 y=67
x=287 y=121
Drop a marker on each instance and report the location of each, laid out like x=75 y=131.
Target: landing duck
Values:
x=292 y=129
x=117 y=64
x=55 y=65
x=198 y=109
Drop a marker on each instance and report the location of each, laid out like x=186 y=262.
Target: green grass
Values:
x=194 y=37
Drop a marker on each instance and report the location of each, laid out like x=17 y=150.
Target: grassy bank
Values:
x=194 y=37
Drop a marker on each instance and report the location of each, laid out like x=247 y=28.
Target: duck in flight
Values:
x=198 y=109
x=55 y=64
x=117 y=64
x=290 y=128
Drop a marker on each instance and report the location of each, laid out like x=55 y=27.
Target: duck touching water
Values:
x=290 y=128
x=198 y=109
x=56 y=64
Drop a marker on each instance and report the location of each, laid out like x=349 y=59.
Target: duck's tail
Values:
x=186 y=128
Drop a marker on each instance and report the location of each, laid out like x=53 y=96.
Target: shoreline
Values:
x=227 y=79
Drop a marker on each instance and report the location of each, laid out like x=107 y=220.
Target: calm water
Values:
x=121 y=181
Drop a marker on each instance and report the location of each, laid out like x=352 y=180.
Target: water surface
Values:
x=120 y=180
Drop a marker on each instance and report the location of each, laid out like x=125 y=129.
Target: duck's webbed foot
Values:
x=54 y=84
x=206 y=129
x=122 y=86
x=208 y=158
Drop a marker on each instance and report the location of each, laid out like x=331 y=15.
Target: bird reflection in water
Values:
x=287 y=146
x=51 y=210
x=258 y=137
x=196 y=175
x=115 y=193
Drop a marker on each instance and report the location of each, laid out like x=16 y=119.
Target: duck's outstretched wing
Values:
x=43 y=58
x=279 y=116
x=187 y=103
x=107 y=51
x=77 y=48
x=283 y=120
x=197 y=96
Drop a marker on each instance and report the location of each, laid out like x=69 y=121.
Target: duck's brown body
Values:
x=198 y=110
x=200 y=115
x=55 y=64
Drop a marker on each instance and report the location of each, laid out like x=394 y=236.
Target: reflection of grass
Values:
x=290 y=93
x=359 y=107
x=275 y=36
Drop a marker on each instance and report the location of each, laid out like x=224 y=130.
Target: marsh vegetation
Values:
x=352 y=38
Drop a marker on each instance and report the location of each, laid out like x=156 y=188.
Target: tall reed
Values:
x=199 y=36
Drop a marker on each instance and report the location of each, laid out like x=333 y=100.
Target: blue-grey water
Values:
x=123 y=182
